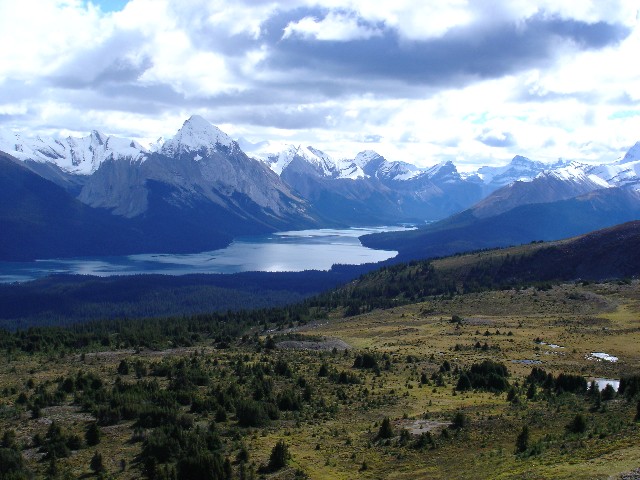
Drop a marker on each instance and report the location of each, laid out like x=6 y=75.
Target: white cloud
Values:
x=67 y=66
x=38 y=36
x=335 y=26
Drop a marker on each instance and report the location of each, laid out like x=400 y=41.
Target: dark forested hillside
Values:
x=66 y=299
x=604 y=254
x=523 y=224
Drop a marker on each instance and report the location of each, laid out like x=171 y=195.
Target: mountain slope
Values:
x=604 y=254
x=525 y=223
x=549 y=186
x=200 y=164
x=39 y=218
x=369 y=189
x=197 y=192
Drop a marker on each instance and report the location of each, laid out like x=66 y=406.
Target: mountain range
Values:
x=101 y=194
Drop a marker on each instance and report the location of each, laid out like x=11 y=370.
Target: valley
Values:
x=102 y=195
x=305 y=349
x=480 y=364
x=319 y=240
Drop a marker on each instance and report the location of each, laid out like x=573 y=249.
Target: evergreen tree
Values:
x=578 y=424
x=464 y=383
x=386 y=431
x=522 y=442
x=123 y=368
x=531 y=391
x=279 y=456
x=459 y=421
x=96 y=463
x=93 y=434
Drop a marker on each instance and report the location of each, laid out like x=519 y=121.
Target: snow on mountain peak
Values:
x=519 y=160
x=197 y=134
x=443 y=169
x=364 y=157
x=632 y=154
x=518 y=169
x=80 y=156
x=576 y=172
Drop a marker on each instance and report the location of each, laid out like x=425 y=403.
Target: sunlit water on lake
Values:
x=603 y=382
x=292 y=251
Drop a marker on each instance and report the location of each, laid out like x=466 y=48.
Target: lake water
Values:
x=603 y=382
x=292 y=251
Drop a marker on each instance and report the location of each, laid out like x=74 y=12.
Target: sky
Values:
x=475 y=82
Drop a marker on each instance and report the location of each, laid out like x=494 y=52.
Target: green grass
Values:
x=333 y=441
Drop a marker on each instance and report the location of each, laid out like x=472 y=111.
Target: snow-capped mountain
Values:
x=632 y=155
x=519 y=169
x=548 y=186
x=375 y=165
x=199 y=163
x=197 y=191
x=77 y=156
x=200 y=184
x=369 y=188
x=197 y=136
x=624 y=173
x=320 y=162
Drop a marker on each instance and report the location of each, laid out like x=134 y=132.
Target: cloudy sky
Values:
x=474 y=81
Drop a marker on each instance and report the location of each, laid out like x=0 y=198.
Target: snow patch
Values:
x=602 y=356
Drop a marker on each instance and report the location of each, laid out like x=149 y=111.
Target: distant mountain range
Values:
x=102 y=195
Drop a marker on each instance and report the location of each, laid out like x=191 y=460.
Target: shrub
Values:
x=578 y=424
x=459 y=421
x=74 y=442
x=366 y=360
x=425 y=439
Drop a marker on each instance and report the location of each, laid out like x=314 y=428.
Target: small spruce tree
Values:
x=93 y=435
x=531 y=391
x=96 y=463
x=386 y=431
x=279 y=456
x=459 y=421
x=522 y=442
x=578 y=424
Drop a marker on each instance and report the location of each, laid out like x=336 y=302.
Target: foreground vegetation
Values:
x=490 y=383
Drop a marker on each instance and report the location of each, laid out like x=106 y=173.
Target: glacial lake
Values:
x=292 y=251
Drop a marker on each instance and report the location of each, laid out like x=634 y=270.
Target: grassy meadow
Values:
x=331 y=403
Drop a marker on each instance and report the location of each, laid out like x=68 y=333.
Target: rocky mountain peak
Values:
x=196 y=135
x=632 y=155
